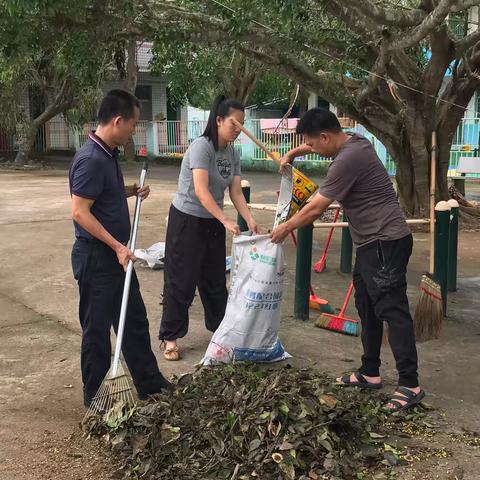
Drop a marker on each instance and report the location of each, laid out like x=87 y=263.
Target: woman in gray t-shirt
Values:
x=195 y=244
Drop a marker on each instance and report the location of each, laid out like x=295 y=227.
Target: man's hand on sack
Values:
x=285 y=160
x=280 y=233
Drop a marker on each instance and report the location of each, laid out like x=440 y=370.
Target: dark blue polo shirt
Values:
x=95 y=174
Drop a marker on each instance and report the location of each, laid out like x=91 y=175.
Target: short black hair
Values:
x=317 y=120
x=117 y=103
x=221 y=108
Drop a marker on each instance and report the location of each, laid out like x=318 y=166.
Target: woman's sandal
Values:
x=171 y=354
x=361 y=382
x=411 y=398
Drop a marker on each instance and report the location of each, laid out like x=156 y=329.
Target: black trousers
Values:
x=100 y=280
x=381 y=296
x=194 y=257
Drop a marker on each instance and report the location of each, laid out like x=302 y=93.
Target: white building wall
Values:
x=159 y=91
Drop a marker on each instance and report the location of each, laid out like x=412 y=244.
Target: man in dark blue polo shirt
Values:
x=100 y=255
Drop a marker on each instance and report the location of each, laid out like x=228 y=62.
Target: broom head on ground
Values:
x=429 y=311
x=317 y=303
x=338 y=323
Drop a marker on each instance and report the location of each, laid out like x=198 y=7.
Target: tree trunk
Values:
x=241 y=81
x=27 y=130
x=408 y=138
x=412 y=183
x=25 y=135
x=131 y=85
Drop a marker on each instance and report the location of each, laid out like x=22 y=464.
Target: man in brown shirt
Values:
x=359 y=181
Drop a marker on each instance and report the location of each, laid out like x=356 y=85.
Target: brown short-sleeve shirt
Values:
x=359 y=181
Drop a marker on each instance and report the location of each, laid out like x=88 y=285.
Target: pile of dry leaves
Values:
x=240 y=421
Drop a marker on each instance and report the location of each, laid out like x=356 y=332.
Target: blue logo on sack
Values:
x=262 y=300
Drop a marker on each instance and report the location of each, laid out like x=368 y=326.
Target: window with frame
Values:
x=144 y=95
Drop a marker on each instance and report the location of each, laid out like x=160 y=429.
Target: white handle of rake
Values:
x=128 y=276
x=255 y=140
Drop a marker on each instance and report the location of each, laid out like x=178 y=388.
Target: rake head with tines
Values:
x=114 y=395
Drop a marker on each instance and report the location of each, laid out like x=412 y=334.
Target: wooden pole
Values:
x=255 y=140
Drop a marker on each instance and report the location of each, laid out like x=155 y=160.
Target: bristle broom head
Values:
x=335 y=323
x=428 y=317
x=323 y=308
x=327 y=309
x=317 y=303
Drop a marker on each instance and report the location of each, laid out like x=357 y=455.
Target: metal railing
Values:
x=139 y=138
x=172 y=138
x=57 y=135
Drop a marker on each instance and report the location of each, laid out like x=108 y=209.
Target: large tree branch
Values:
x=376 y=76
x=360 y=24
x=467 y=42
x=455 y=98
x=337 y=89
x=441 y=47
x=387 y=16
x=402 y=69
x=461 y=6
x=168 y=12
x=435 y=18
x=62 y=102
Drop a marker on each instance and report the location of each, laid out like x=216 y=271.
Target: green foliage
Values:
x=57 y=50
x=271 y=87
x=196 y=73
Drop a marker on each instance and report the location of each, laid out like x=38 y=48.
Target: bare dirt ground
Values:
x=40 y=388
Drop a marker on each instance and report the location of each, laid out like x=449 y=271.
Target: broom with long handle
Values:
x=255 y=140
x=319 y=267
x=308 y=187
x=115 y=388
x=340 y=323
x=429 y=311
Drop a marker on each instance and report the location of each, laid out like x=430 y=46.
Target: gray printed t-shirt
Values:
x=359 y=181
x=222 y=166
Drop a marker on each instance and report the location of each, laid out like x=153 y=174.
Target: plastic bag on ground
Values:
x=153 y=257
